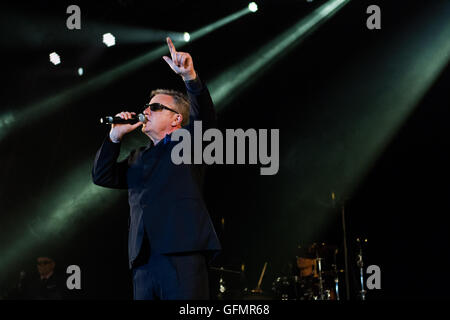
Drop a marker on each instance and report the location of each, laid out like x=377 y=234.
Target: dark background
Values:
x=321 y=94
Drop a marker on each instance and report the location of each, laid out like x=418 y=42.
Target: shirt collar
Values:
x=167 y=138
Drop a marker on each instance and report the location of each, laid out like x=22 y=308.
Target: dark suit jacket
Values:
x=165 y=199
x=54 y=288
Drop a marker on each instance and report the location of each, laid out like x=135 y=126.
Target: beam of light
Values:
x=59 y=211
x=411 y=66
x=6 y=119
x=58 y=101
x=374 y=100
x=220 y=23
x=24 y=34
x=63 y=216
x=225 y=87
x=126 y=34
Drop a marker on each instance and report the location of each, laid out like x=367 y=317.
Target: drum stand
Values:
x=336 y=276
x=360 y=265
x=344 y=236
x=319 y=268
x=222 y=285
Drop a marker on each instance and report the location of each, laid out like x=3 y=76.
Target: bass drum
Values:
x=294 y=288
x=306 y=288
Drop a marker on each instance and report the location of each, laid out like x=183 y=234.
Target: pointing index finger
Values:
x=172 y=49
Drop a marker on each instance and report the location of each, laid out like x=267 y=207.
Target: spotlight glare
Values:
x=80 y=71
x=59 y=100
x=186 y=36
x=109 y=40
x=54 y=58
x=253 y=7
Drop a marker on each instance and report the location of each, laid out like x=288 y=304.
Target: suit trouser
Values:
x=172 y=277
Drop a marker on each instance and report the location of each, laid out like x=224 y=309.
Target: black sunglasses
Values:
x=158 y=106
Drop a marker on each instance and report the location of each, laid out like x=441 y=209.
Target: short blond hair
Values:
x=181 y=103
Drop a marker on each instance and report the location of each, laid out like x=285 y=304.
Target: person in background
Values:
x=47 y=285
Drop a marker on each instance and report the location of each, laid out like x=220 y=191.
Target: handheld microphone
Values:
x=118 y=120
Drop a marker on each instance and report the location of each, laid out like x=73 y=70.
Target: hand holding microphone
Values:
x=118 y=120
x=123 y=123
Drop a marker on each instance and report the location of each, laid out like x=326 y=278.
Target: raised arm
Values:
x=202 y=107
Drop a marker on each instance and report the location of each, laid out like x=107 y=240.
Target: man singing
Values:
x=171 y=234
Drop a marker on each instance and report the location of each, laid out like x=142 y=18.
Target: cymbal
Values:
x=221 y=269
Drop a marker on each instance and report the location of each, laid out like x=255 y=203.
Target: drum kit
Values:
x=314 y=276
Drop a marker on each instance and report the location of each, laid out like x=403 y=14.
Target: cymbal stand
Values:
x=336 y=276
x=360 y=265
x=344 y=235
x=347 y=281
x=222 y=284
x=319 y=267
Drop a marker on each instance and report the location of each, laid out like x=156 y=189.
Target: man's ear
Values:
x=177 y=120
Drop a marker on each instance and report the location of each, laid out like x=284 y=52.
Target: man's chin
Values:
x=145 y=131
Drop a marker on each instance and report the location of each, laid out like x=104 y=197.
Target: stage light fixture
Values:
x=80 y=71
x=253 y=7
x=187 y=37
x=55 y=58
x=109 y=40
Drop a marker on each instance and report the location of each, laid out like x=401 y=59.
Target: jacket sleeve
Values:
x=201 y=105
x=107 y=172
